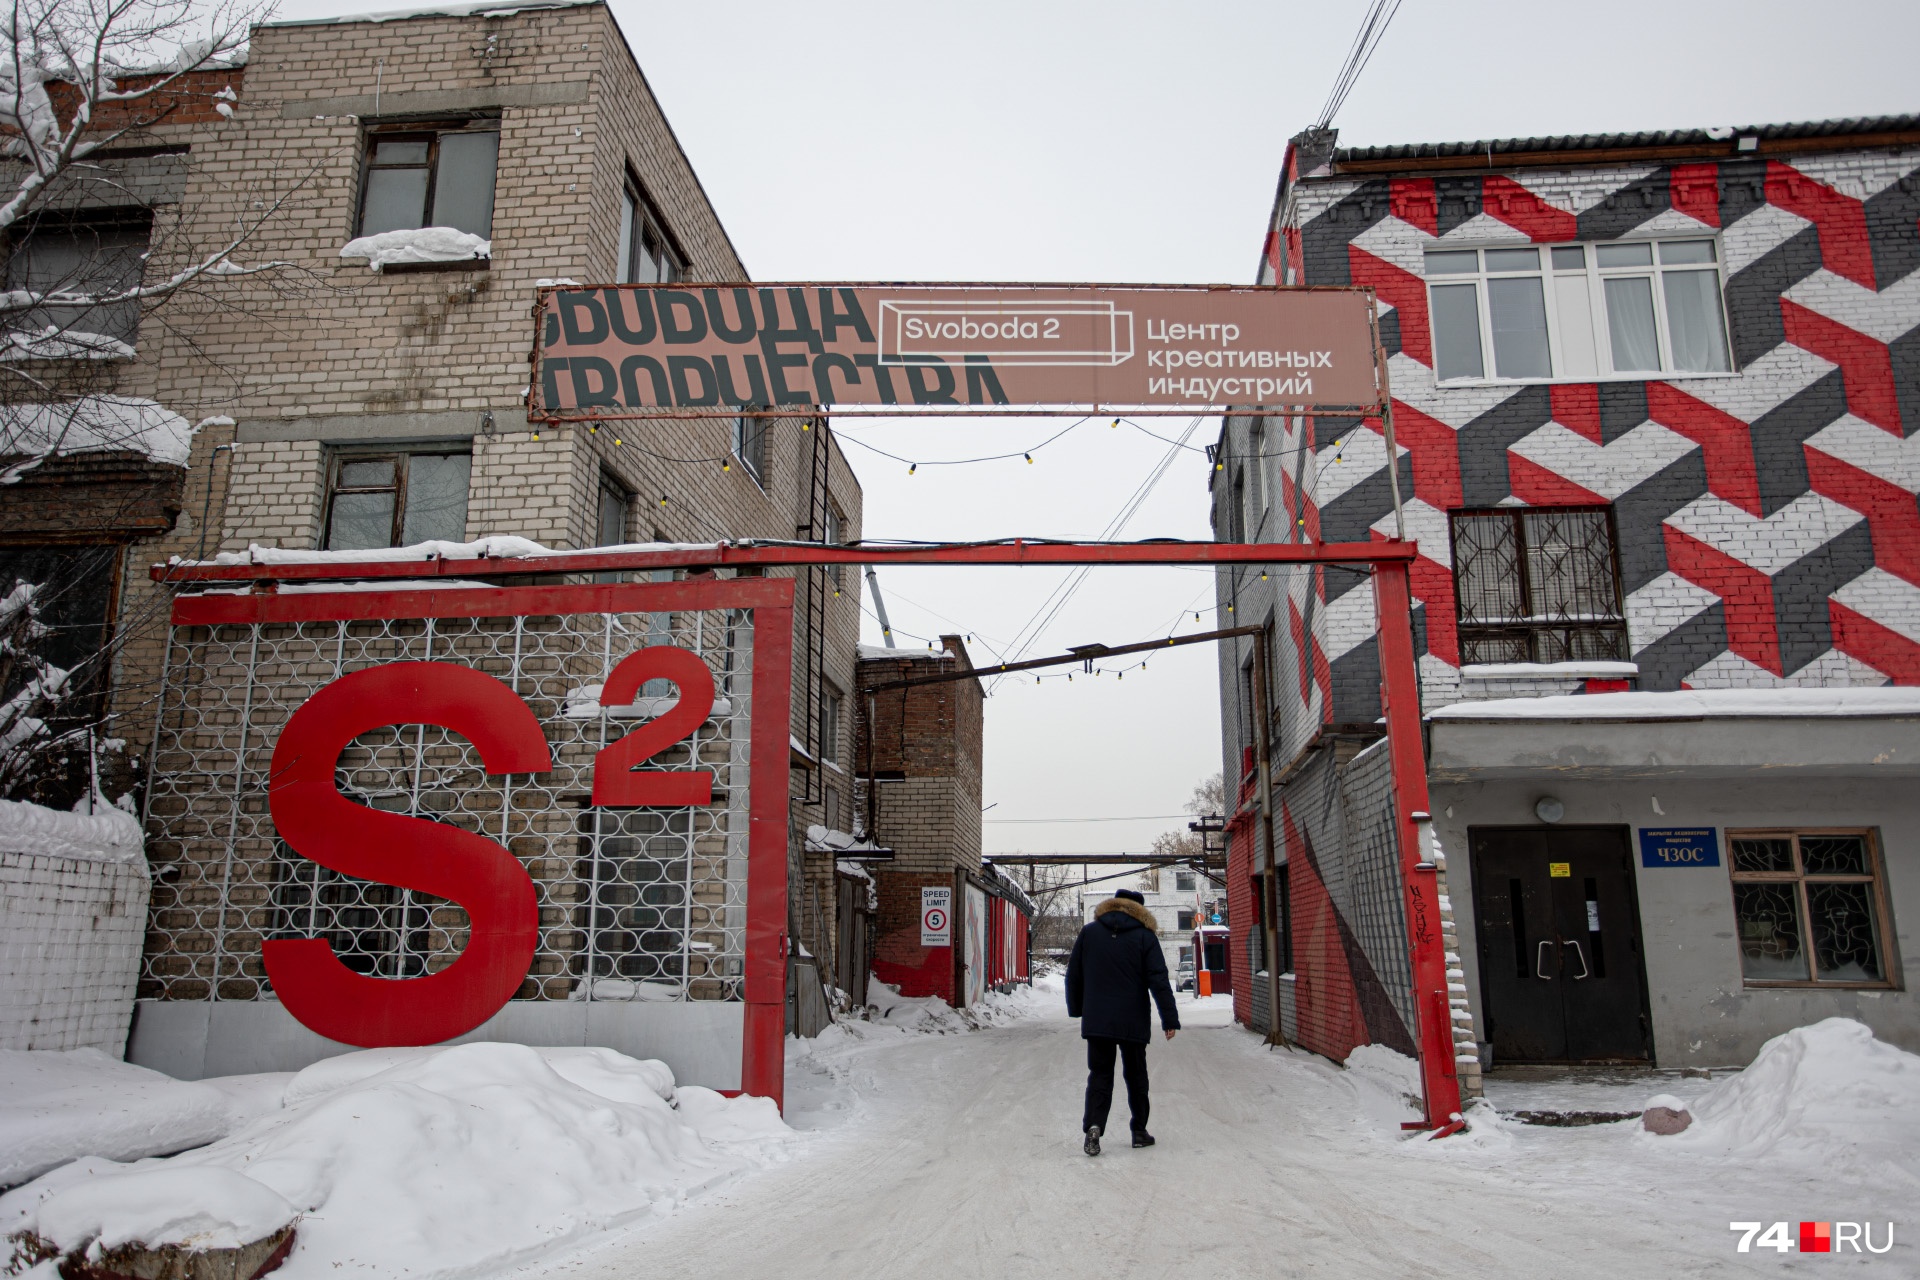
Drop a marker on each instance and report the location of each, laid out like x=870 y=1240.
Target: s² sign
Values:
x=1679 y=847
x=479 y=874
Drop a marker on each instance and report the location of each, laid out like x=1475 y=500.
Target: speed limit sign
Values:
x=936 y=916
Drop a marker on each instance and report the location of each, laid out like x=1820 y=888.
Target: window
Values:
x=1809 y=896
x=1256 y=495
x=1621 y=309
x=647 y=255
x=396 y=499
x=750 y=446
x=69 y=629
x=830 y=702
x=430 y=177
x=1185 y=922
x=1184 y=882
x=1538 y=584
x=91 y=259
x=836 y=533
x=830 y=806
x=610 y=521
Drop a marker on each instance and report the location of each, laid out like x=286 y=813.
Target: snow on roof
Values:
x=96 y=424
x=498 y=546
x=827 y=840
x=106 y=835
x=494 y=9
x=876 y=652
x=1694 y=704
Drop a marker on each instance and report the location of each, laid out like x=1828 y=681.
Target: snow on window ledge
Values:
x=55 y=343
x=422 y=246
x=1549 y=670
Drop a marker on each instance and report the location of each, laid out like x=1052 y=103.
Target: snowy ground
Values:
x=935 y=1155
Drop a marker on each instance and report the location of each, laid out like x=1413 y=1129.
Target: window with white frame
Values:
x=1619 y=309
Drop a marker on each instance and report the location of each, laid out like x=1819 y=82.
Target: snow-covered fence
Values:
x=73 y=913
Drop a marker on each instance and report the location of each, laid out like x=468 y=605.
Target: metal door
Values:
x=1561 y=977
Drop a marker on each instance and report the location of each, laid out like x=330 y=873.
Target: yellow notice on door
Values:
x=1560 y=870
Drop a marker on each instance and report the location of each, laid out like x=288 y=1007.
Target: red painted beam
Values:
x=760 y=555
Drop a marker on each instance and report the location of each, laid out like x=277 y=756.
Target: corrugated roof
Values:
x=1713 y=138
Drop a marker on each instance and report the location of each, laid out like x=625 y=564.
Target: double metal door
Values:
x=1559 y=932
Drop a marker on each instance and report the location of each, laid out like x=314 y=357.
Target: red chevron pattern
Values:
x=1768 y=520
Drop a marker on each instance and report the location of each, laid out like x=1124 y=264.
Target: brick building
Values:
x=1651 y=395
x=348 y=409
x=919 y=757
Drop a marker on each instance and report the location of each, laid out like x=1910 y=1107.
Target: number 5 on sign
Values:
x=614 y=780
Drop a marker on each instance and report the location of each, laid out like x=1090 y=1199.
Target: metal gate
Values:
x=636 y=904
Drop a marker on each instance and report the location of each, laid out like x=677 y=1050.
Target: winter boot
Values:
x=1092 y=1145
x=1141 y=1138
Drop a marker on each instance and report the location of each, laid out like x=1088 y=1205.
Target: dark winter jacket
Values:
x=1116 y=962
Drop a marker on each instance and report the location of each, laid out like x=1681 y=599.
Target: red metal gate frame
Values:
x=763 y=1050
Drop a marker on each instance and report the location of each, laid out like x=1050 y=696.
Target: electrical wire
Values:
x=915 y=463
x=1050 y=608
x=1373 y=29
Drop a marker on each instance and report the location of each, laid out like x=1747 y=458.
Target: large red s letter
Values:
x=413 y=853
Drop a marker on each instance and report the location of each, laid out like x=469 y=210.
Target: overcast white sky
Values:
x=1123 y=142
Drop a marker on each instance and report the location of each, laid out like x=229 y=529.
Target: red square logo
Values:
x=1816 y=1237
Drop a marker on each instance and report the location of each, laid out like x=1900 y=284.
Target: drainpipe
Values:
x=1264 y=781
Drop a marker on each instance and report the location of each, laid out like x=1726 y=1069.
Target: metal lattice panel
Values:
x=634 y=903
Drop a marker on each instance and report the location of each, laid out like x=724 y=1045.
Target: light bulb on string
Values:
x=618 y=440
x=663 y=499
x=1028 y=457
x=915 y=467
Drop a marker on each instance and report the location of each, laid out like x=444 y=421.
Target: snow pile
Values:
x=1825 y=1095
x=1387 y=1085
x=1693 y=704
x=928 y=1015
x=421 y=244
x=95 y=1205
x=96 y=424
x=56 y=1107
x=105 y=835
x=432 y=1162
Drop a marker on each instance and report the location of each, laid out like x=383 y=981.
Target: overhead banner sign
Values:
x=684 y=350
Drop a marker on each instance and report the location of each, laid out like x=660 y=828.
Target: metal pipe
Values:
x=1086 y=653
x=879 y=607
x=746 y=555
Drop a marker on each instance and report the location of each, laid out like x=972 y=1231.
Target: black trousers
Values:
x=1133 y=1066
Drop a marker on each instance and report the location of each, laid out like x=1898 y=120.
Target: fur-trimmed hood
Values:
x=1130 y=907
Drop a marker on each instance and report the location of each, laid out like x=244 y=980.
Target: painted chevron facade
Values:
x=1767 y=521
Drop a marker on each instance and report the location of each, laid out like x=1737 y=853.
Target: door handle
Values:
x=1540 y=960
x=1584 y=971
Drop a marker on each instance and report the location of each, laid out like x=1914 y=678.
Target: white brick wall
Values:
x=70 y=935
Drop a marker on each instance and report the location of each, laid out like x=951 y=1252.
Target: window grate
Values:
x=1538 y=584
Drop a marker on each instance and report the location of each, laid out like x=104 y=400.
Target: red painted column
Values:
x=1400 y=701
x=763 y=1049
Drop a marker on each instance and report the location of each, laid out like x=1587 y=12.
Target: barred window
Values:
x=1810 y=908
x=1538 y=584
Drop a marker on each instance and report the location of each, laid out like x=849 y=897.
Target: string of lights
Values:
x=913 y=465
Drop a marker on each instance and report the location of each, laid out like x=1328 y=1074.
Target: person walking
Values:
x=1116 y=963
